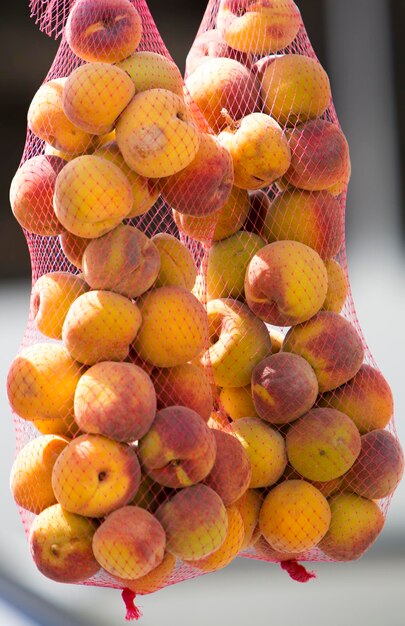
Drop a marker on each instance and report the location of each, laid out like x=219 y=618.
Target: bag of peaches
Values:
x=193 y=384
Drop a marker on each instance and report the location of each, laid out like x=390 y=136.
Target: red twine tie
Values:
x=132 y=611
x=297 y=571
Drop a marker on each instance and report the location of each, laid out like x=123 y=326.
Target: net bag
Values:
x=193 y=384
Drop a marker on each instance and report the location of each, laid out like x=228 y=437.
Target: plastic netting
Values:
x=193 y=384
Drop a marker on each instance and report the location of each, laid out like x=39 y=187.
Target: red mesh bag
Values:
x=193 y=383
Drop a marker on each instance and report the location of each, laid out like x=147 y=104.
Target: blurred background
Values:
x=360 y=45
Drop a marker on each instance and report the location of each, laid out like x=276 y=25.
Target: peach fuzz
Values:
x=196 y=522
x=294 y=517
x=100 y=326
x=249 y=506
x=338 y=287
x=51 y=298
x=174 y=329
x=331 y=345
x=94 y=475
x=31 y=473
x=48 y=121
x=286 y=283
x=117 y=400
x=356 y=522
x=41 y=382
x=284 y=387
x=31 y=195
x=315 y=219
x=129 y=543
x=61 y=545
x=94 y=96
x=179 y=449
x=237 y=402
x=366 y=398
x=150 y=70
x=184 y=385
x=221 y=84
x=63 y=427
x=124 y=261
x=265 y=448
x=208 y=45
x=107 y=31
x=154 y=580
x=73 y=247
x=92 y=196
x=177 y=266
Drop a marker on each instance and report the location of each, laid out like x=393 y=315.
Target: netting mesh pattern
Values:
x=193 y=383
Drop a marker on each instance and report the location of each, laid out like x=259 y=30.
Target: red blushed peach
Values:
x=108 y=31
x=211 y=45
x=31 y=195
x=185 y=385
x=179 y=449
x=378 y=468
x=202 y=187
x=73 y=247
x=331 y=345
x=366 y=398
x=284 y=387
x=319 y=155
x=231 y=473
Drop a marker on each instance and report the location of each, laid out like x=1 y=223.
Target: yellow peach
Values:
x=249 y=506
x=237 y=402
x=177 y=266
x=73 y=247
x=157 y=578
x=338 y=286
x=150 y=70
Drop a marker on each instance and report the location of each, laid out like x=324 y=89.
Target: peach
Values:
x=294 y=516
x=323 y=445
x=157 y=578
x=259 y=205
x=51 y=299
x=338 y=287
x=221 y=84
x=117 y=400
x=156 y=134
x=63 y=427
x=378 y=468
x=366 y=398
x=129 y=543
x=196 y=522
x=204 y=186
x=94 y=96
x=124 y=261
x=100 y=326
x=48 y=121
x=331 y=345
x=174 y=329
x=185 y=385
x=179 y=449
x=61 y=545
x=265 y=448
x=264 y=551
x=315 y=219
x=31 y=473
x=239 y=341
x=286 y=283
x=341 y=186
x=258 y=27
x=259 y=150
x=294 y=88
x=31 y=195
x=237 y=402
x=231 y=473
x=319 y=155
x=73 y=247
x=92 y=196
x=177 y=266
x=94 y=475
x=249 y=506
x=150 y=70
x=284 y=387
x=41 y=382
x=211 y=45
x=227 y=264
x=106 y=31
x=219 y=225
x=356 y=522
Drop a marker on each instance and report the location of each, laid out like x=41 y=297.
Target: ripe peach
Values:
x=41 y=382
x=185 y=385
x=195 y=521
x=237 y=402
x=63 y=427
x=338 y=188
x=94 y=475
x=149 y=70
x=100 y=326
x=338 y=287
x=174 y=329
x=249 y=506
x=73 y=247
x=286 y=283
x=208 y=45
x=157 y=578
x=331 y=345
x=265 y=448
x=61 y=545
x=294 y=516
x=31 y=195
x=366 y=398
x=124 y=261
x=231 y=473
x=177 y=266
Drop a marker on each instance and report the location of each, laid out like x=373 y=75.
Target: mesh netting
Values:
x=193 y=384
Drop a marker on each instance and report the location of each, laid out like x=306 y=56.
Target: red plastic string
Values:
x=133 y=613
x=297 y=571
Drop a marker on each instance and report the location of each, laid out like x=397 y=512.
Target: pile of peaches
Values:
x=178 y=424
